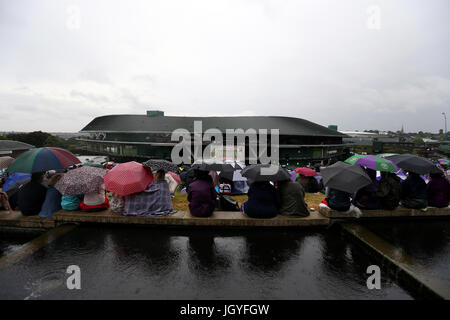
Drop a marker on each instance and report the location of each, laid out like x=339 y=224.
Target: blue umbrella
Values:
x=13 y=178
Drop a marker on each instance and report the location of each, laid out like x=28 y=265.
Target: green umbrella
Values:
x=373 y=162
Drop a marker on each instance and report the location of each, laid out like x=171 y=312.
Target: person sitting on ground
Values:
x=31 y=196
x=438 y=191
x=201 y=195
x=155 y=200
x=389 y=191
x=365 y=197
x=414 y=192
x=263 y=200
x=52 y=201
x=71 y=202
x=292 y=199
x=338 y=200
x=95 y=201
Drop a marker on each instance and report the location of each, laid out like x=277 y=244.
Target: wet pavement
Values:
x=11 y=241
x=428 y=242
x=151 y=263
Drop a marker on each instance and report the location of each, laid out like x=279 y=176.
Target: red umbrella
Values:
x=128 y=178
x=307 y=172
x=175 y=176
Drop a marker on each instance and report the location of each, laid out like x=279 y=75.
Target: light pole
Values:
x=445 y=124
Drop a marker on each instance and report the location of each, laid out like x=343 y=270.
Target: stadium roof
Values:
x=166 y=124
x=11 y=145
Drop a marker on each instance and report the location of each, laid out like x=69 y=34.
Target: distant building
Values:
x=13 y=148
x=149 y=136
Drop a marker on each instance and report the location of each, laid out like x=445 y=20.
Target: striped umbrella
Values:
x=43 y=159
x=128 y=178
x=373 y=162
x=81 y=181
x=5 y=162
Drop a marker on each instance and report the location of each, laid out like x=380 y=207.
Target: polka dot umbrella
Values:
x=128 y=178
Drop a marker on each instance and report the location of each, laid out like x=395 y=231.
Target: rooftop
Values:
x=11 y=145
x=166 y=124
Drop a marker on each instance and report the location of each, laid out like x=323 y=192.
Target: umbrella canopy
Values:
x=265 y=172
x=210 y=165
x=14 y=178
x=345 y=177
x=128 y=178
x=307 y=172
x=373 y=162
x=5 y=162
x=441 y=162
x=81 y=181
x=175 y=176
x=161 y=164
x=233 y=173
x=414 y=163
x=43 y=159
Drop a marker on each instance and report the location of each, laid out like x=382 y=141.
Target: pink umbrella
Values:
x=307 y=172
x=175 y=176
x=128 y=178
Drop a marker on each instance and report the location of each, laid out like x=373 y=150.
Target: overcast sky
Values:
x=357 y=64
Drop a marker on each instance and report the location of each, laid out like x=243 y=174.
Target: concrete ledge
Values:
x=16 y=219
x=181 y=218
x=399 y=212
x=408 y=271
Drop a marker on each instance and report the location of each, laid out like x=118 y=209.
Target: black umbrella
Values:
x=414 y=163
x=157 y=164
x=228 y=171
x=265 y=172
x=211 y=166
x=345 y=177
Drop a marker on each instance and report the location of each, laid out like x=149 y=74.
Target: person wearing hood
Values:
x=438 y=191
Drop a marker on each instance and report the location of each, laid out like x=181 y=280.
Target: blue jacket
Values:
x=51 y=204
x=263 y=201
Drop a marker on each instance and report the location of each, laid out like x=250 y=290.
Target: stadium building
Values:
x=141 y=137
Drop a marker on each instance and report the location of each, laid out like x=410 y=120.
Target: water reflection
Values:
x=269 y=251
x=204 y=256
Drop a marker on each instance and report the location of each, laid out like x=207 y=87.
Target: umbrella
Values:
x=265 y=172
x=414 y=163
x=81 y=181
x=175 y=176
x=14 y=178
x=128 y=178
x=210 y=165
x=345 y=177
x=307 y=172
x=441 y=162
x=5 y=162
x=43 y=159
x=233 y=173
x=373 y=162
x=161 y=164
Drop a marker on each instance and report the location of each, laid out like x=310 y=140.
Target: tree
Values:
x=418 y=140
